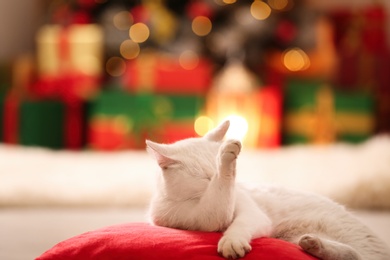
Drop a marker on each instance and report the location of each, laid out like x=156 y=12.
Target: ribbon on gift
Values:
x=11 y=119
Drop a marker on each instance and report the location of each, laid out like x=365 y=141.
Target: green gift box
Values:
x=41 y=123
x=317 y=113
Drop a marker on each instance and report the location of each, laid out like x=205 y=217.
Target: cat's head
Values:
x=187 y=166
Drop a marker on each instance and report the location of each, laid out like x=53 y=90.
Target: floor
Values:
x=25 y=233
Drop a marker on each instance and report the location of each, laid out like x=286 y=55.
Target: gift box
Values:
x=47 y=123
x=78 y=47
x=69 y=61
x=34 y=123
x=155 y=73
x=123 y=120
x=354 y=115
x=360 y=40
x=317 y=113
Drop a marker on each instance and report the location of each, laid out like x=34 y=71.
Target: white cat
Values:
x=197 y=191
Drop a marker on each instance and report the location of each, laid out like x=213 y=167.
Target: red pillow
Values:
x=143 y=241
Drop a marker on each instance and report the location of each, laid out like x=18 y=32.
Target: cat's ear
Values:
x=218 y=133
x=159 y=151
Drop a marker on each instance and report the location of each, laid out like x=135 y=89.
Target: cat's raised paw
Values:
x=230 y=149
x=233 y=248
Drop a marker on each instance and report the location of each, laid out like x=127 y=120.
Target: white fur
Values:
x=197 y=191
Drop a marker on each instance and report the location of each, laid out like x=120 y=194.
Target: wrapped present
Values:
x=34 y=123
x=360 y=40
x=316 y=113
x=112 y=121
x=354 y=115
x=69 y=60
x=159 y=74
x=78 y=47
x=122 y=120
x=47 y=123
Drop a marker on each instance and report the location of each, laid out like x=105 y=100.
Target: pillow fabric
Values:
x=142 y=241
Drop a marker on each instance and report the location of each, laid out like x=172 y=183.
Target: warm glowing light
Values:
x=228 y=2
x=201 y=25
x=139 y=32
x=189 y=60
x=203 y=125
x=115 y=66
x=260 y=10
x=129 y=49
x=123 y=20
x=238 y=127
x=279 y=5
x=296 y=60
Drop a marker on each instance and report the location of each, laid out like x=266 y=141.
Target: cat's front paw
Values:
x=310 y=244
x=233 y=248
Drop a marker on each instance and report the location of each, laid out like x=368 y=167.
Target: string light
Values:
x=139 y=32
x=260 y=10
x=201 y=25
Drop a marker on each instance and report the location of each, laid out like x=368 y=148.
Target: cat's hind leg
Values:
x=327 y=249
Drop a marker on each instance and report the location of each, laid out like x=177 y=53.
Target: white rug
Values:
x=355 y=175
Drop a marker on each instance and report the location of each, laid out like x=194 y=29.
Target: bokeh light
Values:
x=296 y=59
x=260 y=10
x=115 y=66
x=203 y=125
x=188 y=60
x=280 y=5
x=228 y=2
x=129 y=49
x=201 y=25
x=139 y=32
x=123 y=20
